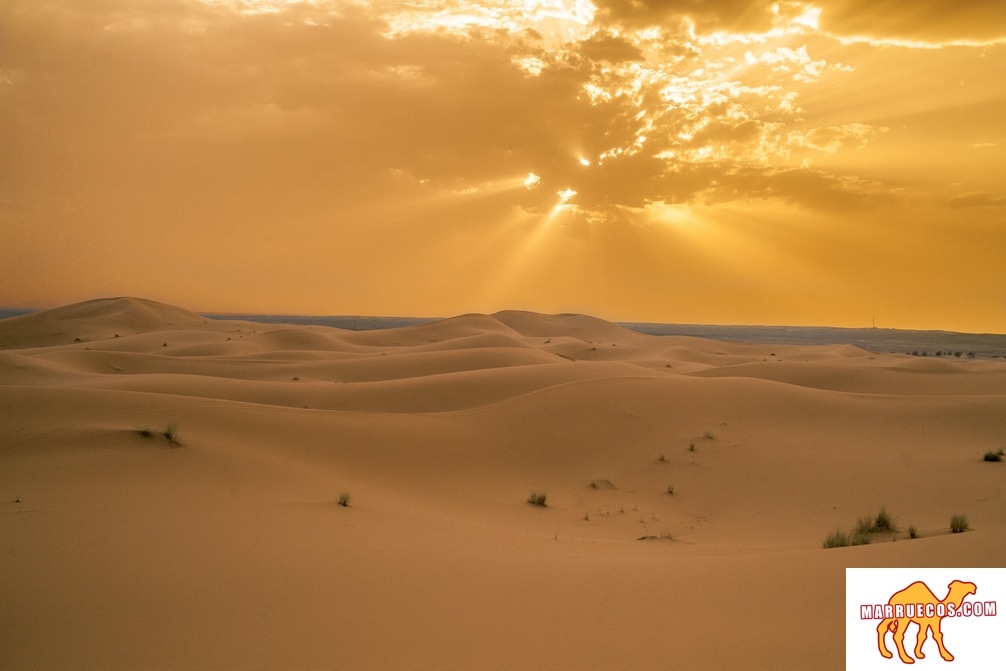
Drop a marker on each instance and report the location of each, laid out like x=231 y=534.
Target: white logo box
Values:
x=975 y=635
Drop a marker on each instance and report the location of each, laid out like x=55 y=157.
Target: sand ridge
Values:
x=227 y=549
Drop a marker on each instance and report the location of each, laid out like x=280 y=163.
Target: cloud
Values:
x=920 y=21
x=312 y=112
x=338 y=104
x=604 y=45
x=730 y=15
x=977 y=200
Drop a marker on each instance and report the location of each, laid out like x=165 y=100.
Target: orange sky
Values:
x=738 y=161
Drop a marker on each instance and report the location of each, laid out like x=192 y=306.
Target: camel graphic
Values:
x=916 y=603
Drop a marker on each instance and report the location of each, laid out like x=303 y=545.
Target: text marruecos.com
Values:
x=883 y=611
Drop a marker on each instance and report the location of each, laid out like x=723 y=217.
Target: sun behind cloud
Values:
x=795 y=162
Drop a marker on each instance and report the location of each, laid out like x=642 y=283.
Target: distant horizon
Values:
x=387 y=321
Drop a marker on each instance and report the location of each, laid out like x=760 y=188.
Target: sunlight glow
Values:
x=560 y=20
x=565 y=195
x=532 y=180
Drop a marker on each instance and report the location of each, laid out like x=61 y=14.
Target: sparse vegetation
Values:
x=836 y=539
x=913 y=532
x=691 y=447
x=536 y=498
x=344 y=499
x=882 y=522
x=171 y=433
x=662 y=459
x=670 y=489
x=958 y=524
x=840 y=539
x=664 y=536
x=993 y=456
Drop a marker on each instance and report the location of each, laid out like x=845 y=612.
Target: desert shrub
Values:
x=670 y=489
x=871 y=524
x=171 y=433
x=836 y=539
x=958 y=524
x=344 y=499
x=913 y=532
x=993 y=456
x=664 y=536
x=146 y=433
x=536 y=498
x=884 y=522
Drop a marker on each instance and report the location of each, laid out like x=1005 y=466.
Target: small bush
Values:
x=870 y=524
x=344 y=499
x=913 y=532
x=993 y=456
x=958 y=524
x=664 y=536
x=536 y=498
x=837 y=539
x=171 y=433
x=884 y=522
x=146 y=433
x=670 y=489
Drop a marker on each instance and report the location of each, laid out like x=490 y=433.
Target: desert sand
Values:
x=225 y=548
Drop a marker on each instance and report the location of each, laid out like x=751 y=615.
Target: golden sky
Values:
x=725 y=161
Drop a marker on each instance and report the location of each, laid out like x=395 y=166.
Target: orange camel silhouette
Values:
x=918 y=599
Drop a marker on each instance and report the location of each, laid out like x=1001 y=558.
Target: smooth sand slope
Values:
x=227 y=549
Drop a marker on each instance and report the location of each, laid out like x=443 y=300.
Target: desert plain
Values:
x=170 y=485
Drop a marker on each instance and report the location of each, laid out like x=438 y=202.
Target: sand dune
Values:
x=226 y=548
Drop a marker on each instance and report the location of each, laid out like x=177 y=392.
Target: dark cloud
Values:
x=810 y=189
x=731 y=15
x=919 y=20
x=605 y=46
